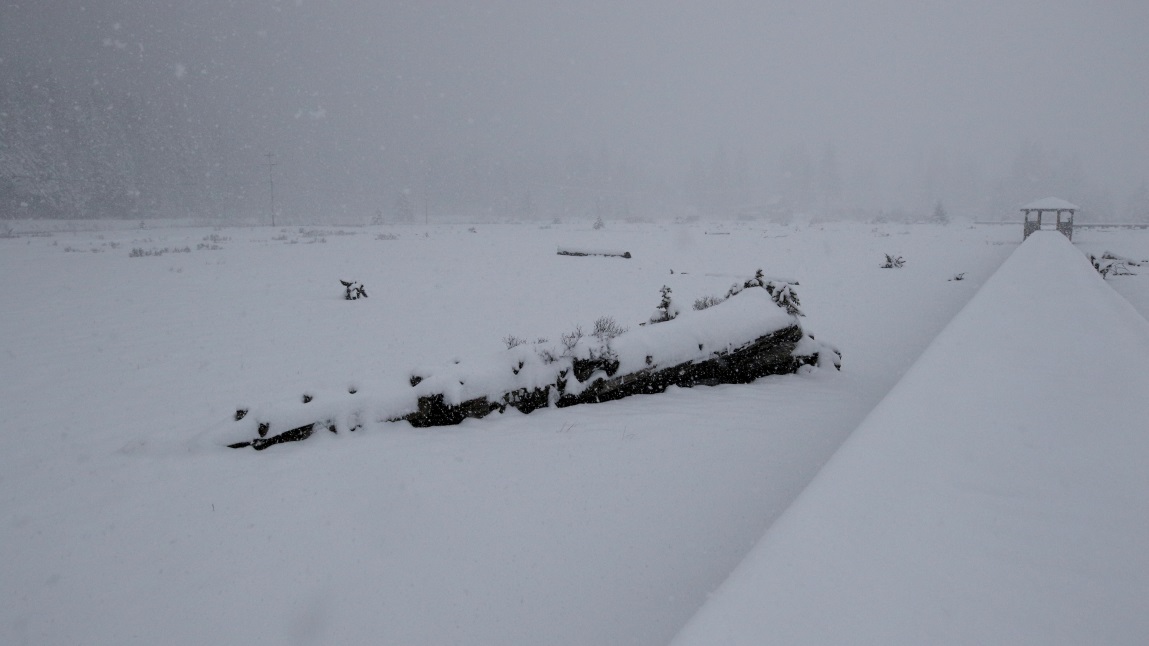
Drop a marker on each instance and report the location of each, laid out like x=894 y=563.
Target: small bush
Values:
x=781 y=292
x=707 y=301
x=606 y=328
x=893 y=262
x=785 y=297
x=599 y=224
x=667 y=309
x=513 y=341
x=571 y=339
x=140 y=252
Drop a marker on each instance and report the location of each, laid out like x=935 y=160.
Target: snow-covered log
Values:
x=744 y=337
x=741 y=339
x=573 y=251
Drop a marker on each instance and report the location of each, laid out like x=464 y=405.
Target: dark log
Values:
x=589 y=373
x=588 y=252
x=772 y=354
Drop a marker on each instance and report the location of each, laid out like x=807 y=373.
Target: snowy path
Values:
x=998 y=495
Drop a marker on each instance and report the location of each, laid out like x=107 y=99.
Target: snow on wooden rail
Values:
x=998 y=494
x=745 y=337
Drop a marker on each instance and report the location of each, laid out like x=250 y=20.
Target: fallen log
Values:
x=743 y=338
x=737 y=341
x=771 y=354
x=565 y=251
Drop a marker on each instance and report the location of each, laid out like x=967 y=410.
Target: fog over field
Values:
x=444 y=110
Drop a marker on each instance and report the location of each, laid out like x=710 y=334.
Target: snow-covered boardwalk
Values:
x=999 y=494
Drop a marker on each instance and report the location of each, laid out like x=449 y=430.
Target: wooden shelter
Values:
x=1050 y=213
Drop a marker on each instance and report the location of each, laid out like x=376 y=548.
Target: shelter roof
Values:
x=1051 y=204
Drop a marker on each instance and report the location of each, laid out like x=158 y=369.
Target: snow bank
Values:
x=998 y=494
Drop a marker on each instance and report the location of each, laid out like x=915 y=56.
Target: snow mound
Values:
x=998 y=494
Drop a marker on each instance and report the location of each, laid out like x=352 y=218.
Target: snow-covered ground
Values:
x=593 y=524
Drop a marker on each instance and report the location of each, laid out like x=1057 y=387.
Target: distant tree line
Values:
x=86 y=150
x=93 y=153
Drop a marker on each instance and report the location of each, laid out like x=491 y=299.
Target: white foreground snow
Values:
x=604 y=524
x=998 y=495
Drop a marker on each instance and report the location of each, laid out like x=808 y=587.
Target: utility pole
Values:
x=271 y=184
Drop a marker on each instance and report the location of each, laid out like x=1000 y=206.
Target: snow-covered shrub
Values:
x=667 y=309
x=599 y=224
x=759 y=280
x=606 y=328
x=785 y=297
x=571 y=339
x=353 y=291
x=140 y=252
x=781 y=292
x=513 y=341
x=960 y=276
x=707 y=301
x=893 y=262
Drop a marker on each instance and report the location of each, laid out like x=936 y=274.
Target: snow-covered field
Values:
x=593 y=524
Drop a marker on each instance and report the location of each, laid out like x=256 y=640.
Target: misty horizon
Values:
x=542 y=110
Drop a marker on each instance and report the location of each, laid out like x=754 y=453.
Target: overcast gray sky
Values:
x=339 y=86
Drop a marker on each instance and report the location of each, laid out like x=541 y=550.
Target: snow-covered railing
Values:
x=998 y=494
